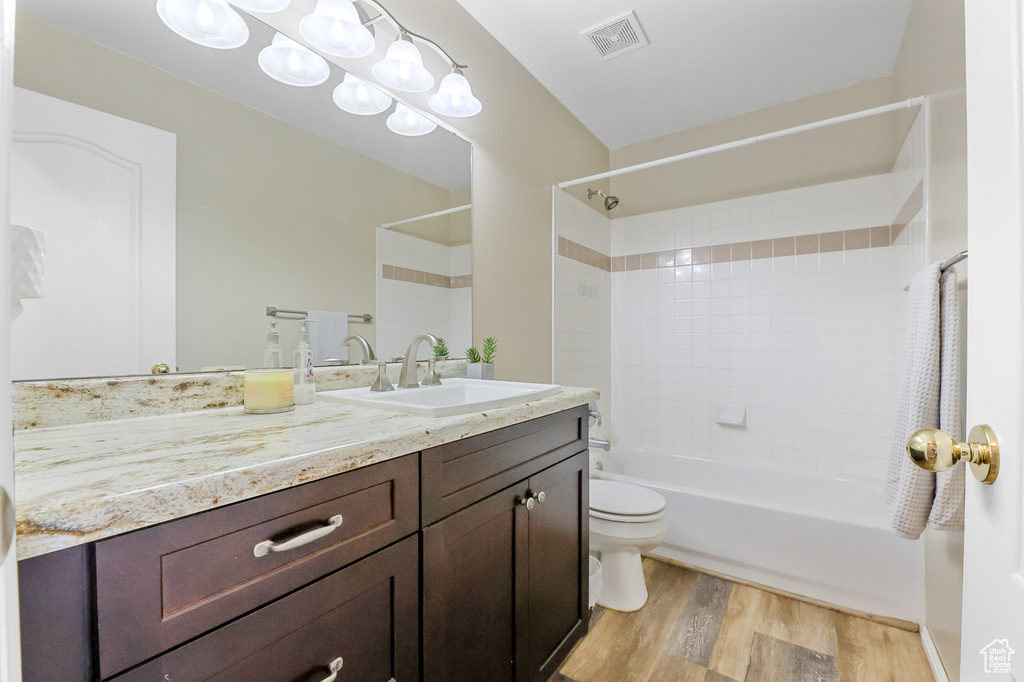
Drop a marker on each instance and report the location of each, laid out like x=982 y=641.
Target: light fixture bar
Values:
x=402 y=29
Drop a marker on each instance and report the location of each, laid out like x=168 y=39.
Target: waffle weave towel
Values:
x=929 y=397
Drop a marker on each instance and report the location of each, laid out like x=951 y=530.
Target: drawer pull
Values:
x=335 y=666
x=267 y=546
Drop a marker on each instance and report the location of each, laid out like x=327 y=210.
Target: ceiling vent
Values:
x=618 y=36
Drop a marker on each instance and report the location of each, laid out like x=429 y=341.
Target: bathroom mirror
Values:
x=279 y=198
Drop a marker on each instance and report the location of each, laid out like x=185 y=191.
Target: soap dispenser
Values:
x=272 y=356
x=305 y=383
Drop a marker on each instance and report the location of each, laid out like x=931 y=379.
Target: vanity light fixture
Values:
x=405 y=121
x=356 y=96
x=291 y=63
x=211 y=23
x=336 y=28
x=402 y=67
x=264 y=6
x=454 y=97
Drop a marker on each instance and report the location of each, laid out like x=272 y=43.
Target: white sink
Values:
x=453 y=396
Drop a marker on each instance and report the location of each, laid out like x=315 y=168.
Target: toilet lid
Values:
x=626 y=499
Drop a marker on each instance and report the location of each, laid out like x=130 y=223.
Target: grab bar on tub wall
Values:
x=601 y=443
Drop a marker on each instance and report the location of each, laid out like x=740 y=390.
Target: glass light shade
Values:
x=265 y=6
x=454 y=97
x=402 y=68
x=289 y=62
x=405 y=121
x=210 y=23
x=335 y=28
x=356 y=96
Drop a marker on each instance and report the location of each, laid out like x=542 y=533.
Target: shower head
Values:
x=609 y=202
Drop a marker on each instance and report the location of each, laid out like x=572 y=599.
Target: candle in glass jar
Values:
x=268 y=391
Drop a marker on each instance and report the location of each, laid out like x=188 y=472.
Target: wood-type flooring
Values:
x=700 y=628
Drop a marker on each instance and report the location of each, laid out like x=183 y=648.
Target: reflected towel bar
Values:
x=302 y=314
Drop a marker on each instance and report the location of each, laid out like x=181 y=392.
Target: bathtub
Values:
x=811 y=534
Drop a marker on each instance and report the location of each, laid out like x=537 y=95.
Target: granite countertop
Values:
x=84 y=482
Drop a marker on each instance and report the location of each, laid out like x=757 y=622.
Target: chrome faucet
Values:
x=368 y=356
x=408 y=377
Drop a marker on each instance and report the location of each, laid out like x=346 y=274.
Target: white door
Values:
x=102 y=190
x=993 y=607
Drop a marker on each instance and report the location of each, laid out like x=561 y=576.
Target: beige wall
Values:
x=850 y=150
x=524 y=142
x=931 y=62
x=267 y=214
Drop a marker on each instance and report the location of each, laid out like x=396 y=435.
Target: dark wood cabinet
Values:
x=504 y=581
x=464 y=562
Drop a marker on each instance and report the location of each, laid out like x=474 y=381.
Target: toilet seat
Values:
x=627 y=518
x=625 y=502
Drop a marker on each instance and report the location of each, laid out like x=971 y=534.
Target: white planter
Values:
x=480 y=370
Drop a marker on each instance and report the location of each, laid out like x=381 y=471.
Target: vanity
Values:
x=336 y=542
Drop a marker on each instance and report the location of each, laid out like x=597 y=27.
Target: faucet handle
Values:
x=382 y=383
x=433 y=378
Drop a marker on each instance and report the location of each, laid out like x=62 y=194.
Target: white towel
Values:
x=326 y=331
x=929 y=397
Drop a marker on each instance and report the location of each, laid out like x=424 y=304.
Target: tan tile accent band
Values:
x=582 y=254
x=912 y=206
x=846 y=240
x=427 y=278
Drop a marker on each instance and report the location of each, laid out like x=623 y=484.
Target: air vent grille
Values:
x=618 y=36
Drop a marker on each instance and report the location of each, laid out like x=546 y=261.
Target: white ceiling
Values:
x=133 y=28
x=708 y=59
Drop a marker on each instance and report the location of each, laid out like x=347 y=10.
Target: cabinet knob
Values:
x=335 y=667
x=531 y=500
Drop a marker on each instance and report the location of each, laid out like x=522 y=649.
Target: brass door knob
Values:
x=161 y=368
x=935 y=450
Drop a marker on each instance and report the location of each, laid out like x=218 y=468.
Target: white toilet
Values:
x=625 y=520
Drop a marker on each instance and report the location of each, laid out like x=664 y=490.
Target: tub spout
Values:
x=601 y=443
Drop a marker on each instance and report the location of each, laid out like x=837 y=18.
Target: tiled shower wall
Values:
x=788 y=304
x=422 y=287
x=582 y=300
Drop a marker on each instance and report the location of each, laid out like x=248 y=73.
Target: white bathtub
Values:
x=812 y=534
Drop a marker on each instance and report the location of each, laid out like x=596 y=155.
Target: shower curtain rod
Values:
x=387 y=226
x=907 y=104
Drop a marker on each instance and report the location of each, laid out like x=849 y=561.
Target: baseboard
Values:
x=932 y=654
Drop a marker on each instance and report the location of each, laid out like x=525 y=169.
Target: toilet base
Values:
x=623 y=586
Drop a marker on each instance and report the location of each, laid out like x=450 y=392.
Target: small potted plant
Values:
x=441 y=349
x=481 y=365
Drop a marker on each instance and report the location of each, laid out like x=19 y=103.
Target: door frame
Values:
x=10 y=646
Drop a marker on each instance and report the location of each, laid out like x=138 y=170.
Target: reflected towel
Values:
x=326 y=331
x=929 y=396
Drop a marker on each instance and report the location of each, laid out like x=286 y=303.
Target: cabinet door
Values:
x=504 y=587
x=474 y=592
x=558 y=578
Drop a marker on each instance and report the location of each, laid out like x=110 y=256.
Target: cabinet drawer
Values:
x=161 y=586
x=458 y=474
x=367 y=615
